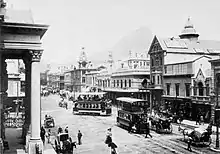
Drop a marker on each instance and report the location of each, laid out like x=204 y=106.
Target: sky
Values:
x=98 y=25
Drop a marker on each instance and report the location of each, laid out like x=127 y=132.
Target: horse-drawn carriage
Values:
x=161 y=125
x=63 y=143
x=199 y=136
x=49 y=122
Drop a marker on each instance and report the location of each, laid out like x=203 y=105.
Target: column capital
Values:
x=36 y=55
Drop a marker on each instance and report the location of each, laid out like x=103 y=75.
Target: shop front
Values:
x=178 y=106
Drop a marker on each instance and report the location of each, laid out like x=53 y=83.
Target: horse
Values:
x=184 y=131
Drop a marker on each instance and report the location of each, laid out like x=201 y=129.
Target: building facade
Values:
x=181 y=73
x=128 y=79
x=75 y=79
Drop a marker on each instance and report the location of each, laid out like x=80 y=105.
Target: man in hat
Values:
x=79 y=137
x=66 y=129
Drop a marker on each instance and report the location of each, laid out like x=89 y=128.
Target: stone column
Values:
x=35 y=104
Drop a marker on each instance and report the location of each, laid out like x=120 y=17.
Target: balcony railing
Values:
x=201 y=98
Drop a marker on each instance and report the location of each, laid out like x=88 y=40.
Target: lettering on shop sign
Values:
x=23 y=38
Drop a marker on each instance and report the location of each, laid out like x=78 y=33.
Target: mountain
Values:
x=138 y=40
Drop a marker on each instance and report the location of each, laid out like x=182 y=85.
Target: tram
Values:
x=92 y=103
x=132 y=111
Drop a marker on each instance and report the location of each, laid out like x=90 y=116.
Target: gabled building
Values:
x=180 y=73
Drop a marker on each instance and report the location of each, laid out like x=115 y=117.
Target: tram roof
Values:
x=92 y=93
x=130 y=100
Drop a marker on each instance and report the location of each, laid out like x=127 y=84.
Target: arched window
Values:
x=152 y=62
x=200 y=86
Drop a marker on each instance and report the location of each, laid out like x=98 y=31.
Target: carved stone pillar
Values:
x=35 y=139
x=27 y=100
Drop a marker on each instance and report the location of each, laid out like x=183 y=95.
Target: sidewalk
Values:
x=192 y=124
x=15 y=143
x=13 y=137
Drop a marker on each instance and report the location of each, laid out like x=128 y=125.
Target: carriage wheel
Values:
x=209 y=141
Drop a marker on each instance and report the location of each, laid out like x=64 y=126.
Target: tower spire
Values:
x=189 y=32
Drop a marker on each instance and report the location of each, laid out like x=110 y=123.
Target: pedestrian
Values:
x=108 y=136
x=60 y=130
x=148 y=130
x=113 y=147
x=66 y=129
x=79 y=137
x=42 y=134
x=189 y=144
x=48 y=134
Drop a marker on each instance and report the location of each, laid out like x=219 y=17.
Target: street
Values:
x=94 y=130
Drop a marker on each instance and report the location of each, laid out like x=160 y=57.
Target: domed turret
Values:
x=83 y=59
x=189 y=31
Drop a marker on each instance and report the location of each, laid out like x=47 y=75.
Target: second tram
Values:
x=132 y=113
x=92 y=103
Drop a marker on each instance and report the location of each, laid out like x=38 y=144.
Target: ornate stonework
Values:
x=36 y=55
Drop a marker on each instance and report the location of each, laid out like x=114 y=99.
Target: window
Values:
x=158 y=79
x=117 y=83
x=121 y=83
x=108 y=83
x=129 y=83
x=200 y=86
x=207 y=89
x=140 y=63
x=125 y=83
x=114 y=83
x=177 y=89
x=165 y=69
x=168 y=88
x=152 y=62
x=83 y=79
x=153 y=80
x=187 y=89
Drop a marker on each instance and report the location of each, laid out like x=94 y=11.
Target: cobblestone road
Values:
x=94 y=132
